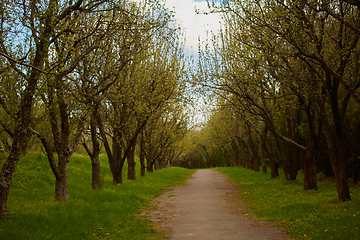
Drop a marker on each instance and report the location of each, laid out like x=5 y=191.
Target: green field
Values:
x=111 y=213
x=303 y=214
x=33 y=213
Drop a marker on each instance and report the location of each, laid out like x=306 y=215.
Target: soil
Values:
x=207 y=207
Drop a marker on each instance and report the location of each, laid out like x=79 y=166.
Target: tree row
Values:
x=103 y=74
x=285 y=76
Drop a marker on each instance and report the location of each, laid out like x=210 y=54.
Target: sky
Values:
x=195 y=25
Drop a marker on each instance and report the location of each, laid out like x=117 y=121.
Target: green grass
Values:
x=33 y=213
x=303 y=214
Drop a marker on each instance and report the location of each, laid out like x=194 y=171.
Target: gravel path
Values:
x=207 y=207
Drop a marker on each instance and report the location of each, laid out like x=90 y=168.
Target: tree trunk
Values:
x=61 y=187
x=340 y=170
x=263 y=146
x=337 y=155
x=94 y=155
x=4 y=189
x=61 y=176
x=150 y=160
x=156 y=164
x=95 y=161
x=342 y=183
x=310 y=182
x=116 y=164
x=6 y=176
x=142 y=167
x=117 y=177
x=95 y=172
x=131 y=164
x=150 y=167
x=310 y=171
x=291 y=165
x=116 y=167
x=115 y=156
x=274 y=165
x=356 y=169
x=142 y=156
x=253 y=150
x=290 y=170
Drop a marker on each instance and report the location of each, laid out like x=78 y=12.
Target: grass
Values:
x=109 y=213
x=303 y=214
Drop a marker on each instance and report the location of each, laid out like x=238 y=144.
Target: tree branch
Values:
x=21 y=63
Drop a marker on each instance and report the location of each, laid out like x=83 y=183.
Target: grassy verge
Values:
x=109 y=213
x=303 y=214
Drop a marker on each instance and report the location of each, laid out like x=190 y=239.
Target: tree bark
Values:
x=263 y=146
x=274 y=165
x=61 y=184
x=117 y=176
x=142 y=156
x=131 y=164
x=310 y=171
x=94 y=154
x=6 y=176
x=310 y=182
x=253 y=150
x=337 y=154
x=150 y=164
x=116 y=163
x=95 y=166
x=95 y=172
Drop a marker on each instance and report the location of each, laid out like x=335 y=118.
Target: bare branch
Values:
x=22 y=63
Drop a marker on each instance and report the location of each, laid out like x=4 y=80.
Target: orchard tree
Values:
x=144 y=87
x=161 y=134
x=130 y=36
x=30 y=30
x=274 y=54
x=67 y=113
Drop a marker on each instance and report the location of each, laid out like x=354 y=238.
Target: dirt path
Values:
x=207 y=207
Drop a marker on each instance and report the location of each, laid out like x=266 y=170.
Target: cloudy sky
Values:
x=195 y=25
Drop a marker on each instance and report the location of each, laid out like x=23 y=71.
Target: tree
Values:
x=143 y=88
x=274 y=52
x=103 y=67
x=29 y=29
x=161 y=134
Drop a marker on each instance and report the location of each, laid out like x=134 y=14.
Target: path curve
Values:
x=207 y=207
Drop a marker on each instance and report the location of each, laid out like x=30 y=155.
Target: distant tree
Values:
x=163 y=131
x=143 y=88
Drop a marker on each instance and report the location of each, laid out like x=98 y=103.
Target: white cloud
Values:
x=195 y=25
